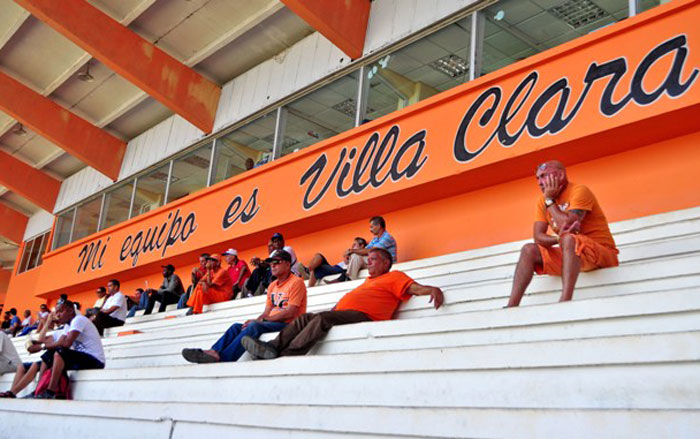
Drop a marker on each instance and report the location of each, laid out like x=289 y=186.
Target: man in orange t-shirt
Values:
x=580 y=230
x=216 y=286
x=286 y=300
x=376 y=299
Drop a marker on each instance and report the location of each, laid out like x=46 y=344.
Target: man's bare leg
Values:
x=570 y=267
x=56 y=372
x=530 y=257
x=24 y=378
x=315 y=262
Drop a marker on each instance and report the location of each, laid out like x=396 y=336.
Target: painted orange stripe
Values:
x=343 y=22
x=166 y=79
x=13 y=224
x=95 y=147
x=34 y=185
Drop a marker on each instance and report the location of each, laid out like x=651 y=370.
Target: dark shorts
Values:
x=326 y=269
x=28 y=365
x=73 y=360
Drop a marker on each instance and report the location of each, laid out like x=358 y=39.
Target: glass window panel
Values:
x=435 y=63
x=25 y=256
x=117 y=202
x=321 y=114
x=515 y=29
x=190 y=173
x=150 y=190
x=64 y=223
x=86 y=218
x=648 y=4
x=251 y=143
x=36 y=251
x=44 y=248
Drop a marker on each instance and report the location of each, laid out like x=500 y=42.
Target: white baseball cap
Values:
x=230 y=252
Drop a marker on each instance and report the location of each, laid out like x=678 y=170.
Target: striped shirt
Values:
x=386 y=241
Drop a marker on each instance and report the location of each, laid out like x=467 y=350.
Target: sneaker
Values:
x=189 y=312
x=46 y=394
x=197 y=356
x=259 y=349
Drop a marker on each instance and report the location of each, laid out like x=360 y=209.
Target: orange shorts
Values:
x=592 y=254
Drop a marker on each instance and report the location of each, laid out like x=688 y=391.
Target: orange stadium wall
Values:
x=5 y=276
x=619 y=107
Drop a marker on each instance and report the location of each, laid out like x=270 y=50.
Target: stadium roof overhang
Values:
x=80 y=78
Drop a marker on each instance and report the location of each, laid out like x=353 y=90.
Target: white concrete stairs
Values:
x=621 y=360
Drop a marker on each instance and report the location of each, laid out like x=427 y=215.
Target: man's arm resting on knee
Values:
x=541 y=237
x=66 y=341
x=435 y=293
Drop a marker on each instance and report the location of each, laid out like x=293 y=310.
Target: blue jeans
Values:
x=229 y=345
x=143 y=302
x=182 y=303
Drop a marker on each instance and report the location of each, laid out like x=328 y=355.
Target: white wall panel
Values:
x=79 y=186
x=40 y=222
x=392 y=20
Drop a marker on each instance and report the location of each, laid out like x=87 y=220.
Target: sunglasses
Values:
x=276 y=261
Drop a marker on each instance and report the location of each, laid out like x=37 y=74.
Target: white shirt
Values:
x=89 y=341
x=116 y=299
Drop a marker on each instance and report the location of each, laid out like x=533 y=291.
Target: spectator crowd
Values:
x=570 y=235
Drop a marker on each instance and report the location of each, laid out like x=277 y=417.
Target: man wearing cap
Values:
x=377 y=298
x=237 y=269
x=216 y=286
x=169 y=292
x=277 y=241
x=286 y=300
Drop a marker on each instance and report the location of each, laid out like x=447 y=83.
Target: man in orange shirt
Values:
x=580 y=229
x=216 y=286
x=376 y=299
x=286 y=300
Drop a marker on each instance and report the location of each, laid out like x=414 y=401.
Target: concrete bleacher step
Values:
x=629 y=314
x=272 y=421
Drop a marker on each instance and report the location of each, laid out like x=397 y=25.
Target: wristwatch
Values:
x=549 y=201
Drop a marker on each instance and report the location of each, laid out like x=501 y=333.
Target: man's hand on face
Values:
x=255 y=261
x=552 y=186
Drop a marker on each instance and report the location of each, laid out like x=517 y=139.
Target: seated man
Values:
x=382 y=239
x=320 y=268
x=286 y=300
x=99 y=303
x=15 y=323
x=113 y=312
x=277 y=241
x=580 y=231
x=260 y=278
x=77 y=347
x=140 y=300
x=43 y=317
x=168 y=293
x=26 y=372
x=28 y=324
x=214 y=287
x=237 y=269
x=6 y=321
x=376 y=299
x=197 y=275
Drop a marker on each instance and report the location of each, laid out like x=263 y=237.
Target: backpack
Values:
x=45 y=379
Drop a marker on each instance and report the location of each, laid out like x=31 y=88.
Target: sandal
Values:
x=7 y=394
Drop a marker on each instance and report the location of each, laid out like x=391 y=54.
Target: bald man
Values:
x=580 y=239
